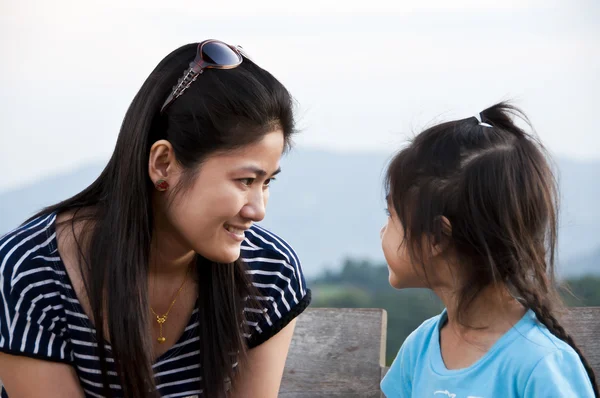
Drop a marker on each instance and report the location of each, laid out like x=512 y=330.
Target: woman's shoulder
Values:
x=28 y=251
x=33 y=290
x=272 y=261
x=260 y=241
x=276 y=272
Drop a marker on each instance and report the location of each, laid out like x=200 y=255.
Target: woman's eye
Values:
x=247 y=181
x=387 y=212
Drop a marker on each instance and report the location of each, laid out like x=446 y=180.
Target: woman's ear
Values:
x=162 y=165
x=442 y=235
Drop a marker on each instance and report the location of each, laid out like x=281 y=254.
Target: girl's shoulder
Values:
x=551 y=365
x=544 y=364
x=537 y=341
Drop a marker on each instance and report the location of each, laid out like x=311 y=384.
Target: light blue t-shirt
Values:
x=527 y=361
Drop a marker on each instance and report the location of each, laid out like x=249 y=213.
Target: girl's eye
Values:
x=387 y=212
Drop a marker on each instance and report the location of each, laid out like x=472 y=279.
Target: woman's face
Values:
x=229 y=193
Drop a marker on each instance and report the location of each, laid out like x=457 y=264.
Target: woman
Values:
x=147 y=259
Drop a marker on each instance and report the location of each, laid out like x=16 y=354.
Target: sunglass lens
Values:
x=218 y=53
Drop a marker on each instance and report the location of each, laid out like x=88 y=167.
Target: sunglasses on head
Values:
x=211 y=54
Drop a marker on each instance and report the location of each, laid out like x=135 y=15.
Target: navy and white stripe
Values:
x=42 y=318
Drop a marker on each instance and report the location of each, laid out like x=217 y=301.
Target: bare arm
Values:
x=25 y=377
x=264 y=370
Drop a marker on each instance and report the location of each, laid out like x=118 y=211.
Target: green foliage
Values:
x=582 y=292
x=362 y=284
x=340 y=296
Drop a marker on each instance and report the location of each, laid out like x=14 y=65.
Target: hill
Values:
x=329 y=206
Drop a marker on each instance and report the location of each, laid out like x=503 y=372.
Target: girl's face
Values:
x=229 y=193
x=402 y=273
x=406 y=274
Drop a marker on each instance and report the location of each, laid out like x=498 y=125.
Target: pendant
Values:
x=161 y=320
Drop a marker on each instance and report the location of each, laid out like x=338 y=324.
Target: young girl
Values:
x=472 y=216
x=135 y=286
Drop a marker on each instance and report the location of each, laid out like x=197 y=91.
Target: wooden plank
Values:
x=384 y=370
x=583 y=324
x=336 y=353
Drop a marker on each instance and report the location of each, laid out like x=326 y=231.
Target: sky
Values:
x=366 y=74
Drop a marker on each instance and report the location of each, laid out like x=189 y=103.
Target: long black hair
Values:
x=222 y=110
x=493 y=181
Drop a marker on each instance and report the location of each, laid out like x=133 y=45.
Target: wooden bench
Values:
x=583 y=324
x=341 y=352
x=336 y=352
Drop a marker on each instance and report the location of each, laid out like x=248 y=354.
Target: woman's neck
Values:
x=170 y=254
x=168 y=257
x=166 y=264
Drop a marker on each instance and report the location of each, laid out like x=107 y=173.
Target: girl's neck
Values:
x=493 y=311
x=472 y=330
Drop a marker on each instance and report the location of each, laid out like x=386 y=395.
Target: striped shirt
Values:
x=42 y=318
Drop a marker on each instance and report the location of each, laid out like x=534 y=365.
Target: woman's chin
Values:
x=223 y=257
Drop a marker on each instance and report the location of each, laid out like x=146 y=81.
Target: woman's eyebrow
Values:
x=258 y=171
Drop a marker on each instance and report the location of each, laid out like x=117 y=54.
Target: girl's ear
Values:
x=442 y=235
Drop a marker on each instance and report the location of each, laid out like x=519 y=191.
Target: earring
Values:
x=161 y=185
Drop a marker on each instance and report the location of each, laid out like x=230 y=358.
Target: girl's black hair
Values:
x=495 y=186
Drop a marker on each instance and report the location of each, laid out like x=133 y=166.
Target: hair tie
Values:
x=478 y=117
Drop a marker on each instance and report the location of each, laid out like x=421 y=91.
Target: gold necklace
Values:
x=162 y=319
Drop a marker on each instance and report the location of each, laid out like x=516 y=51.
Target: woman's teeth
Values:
x=234 y=230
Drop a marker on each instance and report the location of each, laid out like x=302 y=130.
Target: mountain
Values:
x=329 y=206
x=586 y=264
